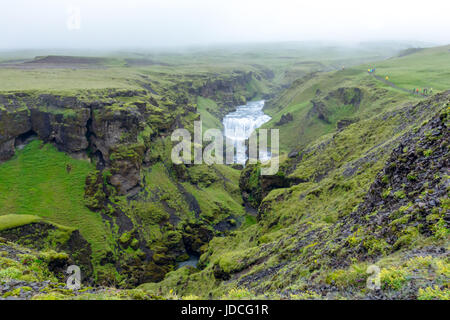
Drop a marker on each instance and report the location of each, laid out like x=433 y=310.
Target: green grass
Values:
x=35 y=182
x=287 y=61
x=249 y=220
x=10 y=221
x=209 y=121
x=66 y=79
x=216 y=190
x=428 y=68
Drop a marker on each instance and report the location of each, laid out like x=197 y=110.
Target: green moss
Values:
x=354 y=276
x=237 y=260
x=52 y=256
x=238 y=294
x=393 y=278
x=400 y=194
x=375 y=246
x=133 y=152
x=134 y=243
x=433 y=293
x=10 y=221
x=10 y=273
x=440 y=229
x=408 y=236
x=386 y=193
x=125 y=238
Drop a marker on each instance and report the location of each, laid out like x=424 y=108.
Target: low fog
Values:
x=172 y=23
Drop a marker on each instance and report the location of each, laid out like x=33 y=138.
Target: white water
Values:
x=240 y=124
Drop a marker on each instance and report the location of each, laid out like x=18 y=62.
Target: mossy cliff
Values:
x=33 y=231
x=41 y=275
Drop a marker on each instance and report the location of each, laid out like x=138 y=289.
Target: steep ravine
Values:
x=125 y=133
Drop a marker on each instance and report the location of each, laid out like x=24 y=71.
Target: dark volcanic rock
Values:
x=37 y=235
x=285 y=118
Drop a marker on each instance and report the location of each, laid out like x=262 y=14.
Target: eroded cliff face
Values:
x=113 y=126
x=229 y=91
x=114 y=129
x=51 y=238
x=61 y=120
x=98 y=126
x=155 y=214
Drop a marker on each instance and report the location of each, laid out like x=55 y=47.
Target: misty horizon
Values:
x=167 y=24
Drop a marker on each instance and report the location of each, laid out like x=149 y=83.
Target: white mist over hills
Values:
x=156 y=23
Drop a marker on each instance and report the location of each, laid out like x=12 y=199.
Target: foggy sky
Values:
x=153 y=23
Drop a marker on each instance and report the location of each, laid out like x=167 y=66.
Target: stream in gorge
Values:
x=238 y=126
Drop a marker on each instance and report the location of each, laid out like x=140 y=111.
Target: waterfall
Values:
x=240 y=124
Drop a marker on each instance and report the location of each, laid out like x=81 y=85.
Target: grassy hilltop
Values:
x=352 y=94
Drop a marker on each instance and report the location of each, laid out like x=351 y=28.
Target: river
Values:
x=240 y=124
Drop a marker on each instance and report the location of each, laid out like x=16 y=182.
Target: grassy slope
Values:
x=220 y=195
x=204 y=106
x=10 y=221
x=35 y=182
x=427 y=68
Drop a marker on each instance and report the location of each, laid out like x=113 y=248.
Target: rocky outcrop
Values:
x=225 y=86
x=125 y=162
x=77 y=126
x=255 y=187
x=285 y=118
x=319 y=110
x=408 y=197
x=195 y=236
x=346 y=96
x=323 y=106
x=43 y=235
x=57 y=119
x=227 y=90
x=342 y=123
